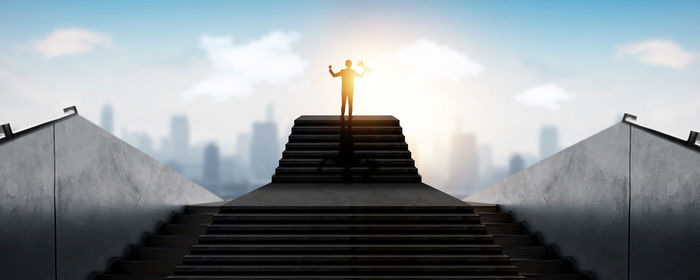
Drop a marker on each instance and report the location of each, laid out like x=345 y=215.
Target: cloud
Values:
x=662 y=53
x=72 y=41
x=238 y=69
x=548 y=96
x=430 y=59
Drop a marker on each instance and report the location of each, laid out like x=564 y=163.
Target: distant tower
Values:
x=210 y=174
x=179 y=137
x=264 y=148
x=517 y=163
x=107 y=121
x=243 y=147
x=549 y=141
x=464 y=165
x=485 y=157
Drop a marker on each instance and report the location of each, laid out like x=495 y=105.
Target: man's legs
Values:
x=342 y=107
x=350 y=108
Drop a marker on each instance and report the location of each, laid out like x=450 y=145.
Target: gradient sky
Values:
x=500 y=69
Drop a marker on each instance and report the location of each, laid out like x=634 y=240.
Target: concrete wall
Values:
x=26 y=207
x=577 y=199
x=580 y=198
x=665 y=232
x=108 y=195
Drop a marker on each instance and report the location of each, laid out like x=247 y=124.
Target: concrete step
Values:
x=199 y=209
x=346 y=179
x=336 y=155
x=355 y=121
x=215 y=249
x=357 y=138
x=173 y=241
x=503 y=228
x=343 y=259
x=350 y=270
x=495 y=218
x=305 y=239
x=485 y=208
x=183 y=229
x=158 y=253
x=146 y=267
x=350 y=131
x=540 y=265
x=204 y=218
x=434 y=218
x=526 y=252
x=335 y=146
x=507 y=240
x=345 y=228
x=320 y=162
x=348 y=277
x=555 y=276
x=347 y=209
x=348 y=170
x=111 y=276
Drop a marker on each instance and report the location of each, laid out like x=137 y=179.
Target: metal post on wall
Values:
x=694 y=138
x=6 y=130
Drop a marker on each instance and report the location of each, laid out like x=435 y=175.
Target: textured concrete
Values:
x=357 y=194
x=26 y=206
x=109 y=194
x=665 y=231
x=577 y=199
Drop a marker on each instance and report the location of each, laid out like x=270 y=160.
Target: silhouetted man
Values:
x=348 y=76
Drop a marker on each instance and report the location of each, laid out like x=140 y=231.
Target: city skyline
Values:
x=506 y=70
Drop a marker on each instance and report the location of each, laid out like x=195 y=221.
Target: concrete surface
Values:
x=577 y=199
x=665 y=228
x=337 y=194
x=26 y=207
x=108 y=195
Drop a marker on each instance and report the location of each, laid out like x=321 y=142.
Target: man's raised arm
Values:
x=331 y=71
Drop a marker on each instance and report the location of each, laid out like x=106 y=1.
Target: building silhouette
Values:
x=212 y=165
x=549 y=141
x=179 y=138
x=107 y=119
x=264 y=148
x=464 y=165
x=516 y=163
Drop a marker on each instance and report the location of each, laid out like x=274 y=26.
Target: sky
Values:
x=499 y=69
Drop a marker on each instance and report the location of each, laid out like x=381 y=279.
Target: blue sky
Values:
x=575 y=64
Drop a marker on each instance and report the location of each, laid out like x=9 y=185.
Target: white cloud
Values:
x=548 y=96
x=239 y=68
x=657 y=52
x=430 y=59
x=70 y=42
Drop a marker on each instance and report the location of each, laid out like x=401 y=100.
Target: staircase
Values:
x=346 y=243
x=366 y=149
x=394 y=240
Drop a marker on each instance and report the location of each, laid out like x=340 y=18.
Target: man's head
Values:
x=348 y=63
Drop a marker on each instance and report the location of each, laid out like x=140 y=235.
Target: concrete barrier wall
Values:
x=108 y=195
x=622 y=204
x=576 y=199
x=26 y=207
x=665 y=228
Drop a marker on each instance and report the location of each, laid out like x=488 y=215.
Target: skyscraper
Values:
x=264 y=148
x=549 y=141
x=179 y=137
x=517 y=163
x=464 y=166
x=107 y=120
x=243 y=147
x=210 y=173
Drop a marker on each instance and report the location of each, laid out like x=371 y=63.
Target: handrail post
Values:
x=629 y=118
x=694 y=138
x=6 y=130
x=71 y=109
